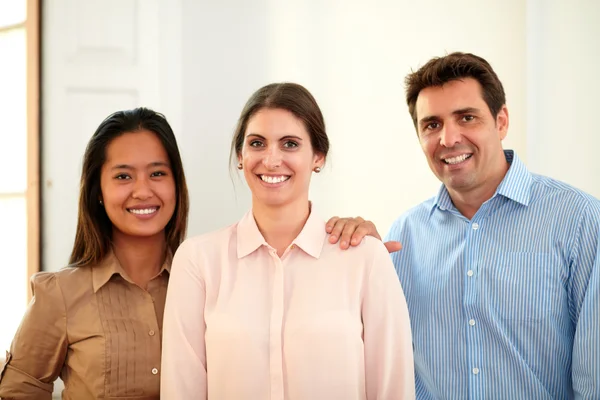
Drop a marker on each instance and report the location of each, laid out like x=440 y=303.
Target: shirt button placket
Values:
x=276 y=356
x=152 y=331
x=471 y=303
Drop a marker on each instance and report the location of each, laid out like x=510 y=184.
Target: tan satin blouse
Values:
x=93 y=327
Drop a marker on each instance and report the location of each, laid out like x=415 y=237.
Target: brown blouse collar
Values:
x=110 y=266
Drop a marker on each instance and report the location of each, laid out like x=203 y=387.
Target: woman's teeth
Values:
x=143 y=210
x=274 y=179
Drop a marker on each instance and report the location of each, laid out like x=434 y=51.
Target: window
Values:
x=19 y=159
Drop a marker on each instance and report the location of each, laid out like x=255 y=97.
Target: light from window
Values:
x=13 y=167
x=12 y=12
x=13 y=266
x=13 y=111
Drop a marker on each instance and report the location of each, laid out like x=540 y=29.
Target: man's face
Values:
x=460 y=137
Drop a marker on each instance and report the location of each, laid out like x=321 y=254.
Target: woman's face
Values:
x=278 y=158
x=137 y=185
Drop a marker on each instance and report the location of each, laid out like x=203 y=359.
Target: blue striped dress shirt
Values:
x=505 y=305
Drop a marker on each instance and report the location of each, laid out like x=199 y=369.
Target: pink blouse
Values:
x=317 y=323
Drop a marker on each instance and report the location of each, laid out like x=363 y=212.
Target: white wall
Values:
x=563 y=86
x=353 y=57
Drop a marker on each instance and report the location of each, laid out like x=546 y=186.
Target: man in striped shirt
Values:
x=501 y=269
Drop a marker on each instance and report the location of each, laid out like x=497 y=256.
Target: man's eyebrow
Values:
x=466 y=110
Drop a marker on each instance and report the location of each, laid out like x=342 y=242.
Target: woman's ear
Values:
x=318 y=161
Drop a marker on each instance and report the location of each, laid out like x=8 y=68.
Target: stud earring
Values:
x=101 y=203
x=240 y=166
x=317 y=169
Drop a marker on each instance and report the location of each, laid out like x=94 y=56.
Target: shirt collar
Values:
x=310 y=239
x=313 y=235
x=110 y=266
x=249 y=237
x=516 y=184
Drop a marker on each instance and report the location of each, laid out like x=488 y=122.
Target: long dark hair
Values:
x=94 y=228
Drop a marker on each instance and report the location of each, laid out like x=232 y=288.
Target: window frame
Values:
x=32 y=28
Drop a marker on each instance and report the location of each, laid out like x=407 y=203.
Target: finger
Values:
x=349 y=229
x=393 y=246
x=331 y=223
x=337 y=229
x=364 y=229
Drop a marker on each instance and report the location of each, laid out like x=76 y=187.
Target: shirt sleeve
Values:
x=183 y=373
x=585 y=306
x=38 y=351
x=389 y=365
x=395 y=233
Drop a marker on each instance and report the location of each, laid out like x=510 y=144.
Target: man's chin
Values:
x=459 y=184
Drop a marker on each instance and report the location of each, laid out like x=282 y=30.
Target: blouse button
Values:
x=154 y=371
x=151 y=333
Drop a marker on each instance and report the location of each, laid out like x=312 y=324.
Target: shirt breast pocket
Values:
x=525 y=286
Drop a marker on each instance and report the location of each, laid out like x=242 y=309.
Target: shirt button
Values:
x=472 y=322
x=475 y=226
x=470 y=272
x=154 y=371
x=475 y=371
x=293 y=246
x=151 y=333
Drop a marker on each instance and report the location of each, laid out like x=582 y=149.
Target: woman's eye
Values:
x=122 y=177
x=290 y=144
x=255 y=143
x=158 y=173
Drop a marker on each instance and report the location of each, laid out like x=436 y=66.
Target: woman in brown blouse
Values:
x=97 y=323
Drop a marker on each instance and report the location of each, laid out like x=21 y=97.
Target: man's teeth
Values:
x=143 y=210
x=274 y=179
x=457 y=159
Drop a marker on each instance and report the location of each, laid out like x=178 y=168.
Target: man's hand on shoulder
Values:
x=351 y=231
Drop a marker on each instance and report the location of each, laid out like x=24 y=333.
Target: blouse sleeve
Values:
x=387 y=334
x=38 y=350
x=183 y=373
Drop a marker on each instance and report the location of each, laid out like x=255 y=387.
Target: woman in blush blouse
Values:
x=267 y=308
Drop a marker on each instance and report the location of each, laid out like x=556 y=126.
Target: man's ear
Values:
x=502 y=122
